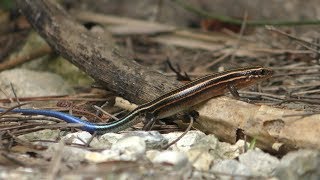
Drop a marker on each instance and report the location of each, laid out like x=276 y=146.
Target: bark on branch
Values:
x=96 y=56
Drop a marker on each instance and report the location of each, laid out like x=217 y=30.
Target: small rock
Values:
x=240 y=145
x=231 y=151
x=231 y=169
x=131 y=148
x=33 y=83
x=226 y=151
x=200 y=175
x=106 y=140
x=95 y=143
x=151 y=154
x=69 y=153
x=177 y=159
x=153 y=139
x=206 y=142
x=208 y=150
x=201 y=160
x=260 y=163
x=200 y=153
x=301 y=164
x=111 y=137
x=44 y=135
x=22 y=173
x=185 y=143
x=218 y=150
x=80 y=138
x=106 y=155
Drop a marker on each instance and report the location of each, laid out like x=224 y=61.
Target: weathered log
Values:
x=98 y=57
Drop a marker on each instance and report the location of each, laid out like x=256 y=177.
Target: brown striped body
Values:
x=186 y=96
x=202 y=89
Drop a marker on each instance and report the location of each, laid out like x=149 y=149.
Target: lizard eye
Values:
x=266 y=72
x=263 y=72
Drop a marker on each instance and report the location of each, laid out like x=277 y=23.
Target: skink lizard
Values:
x=180 y=99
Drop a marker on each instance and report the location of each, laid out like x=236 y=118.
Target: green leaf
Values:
x=253 y=143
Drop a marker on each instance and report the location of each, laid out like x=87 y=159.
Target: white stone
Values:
x=185 y=143
x=151 y=154
x=106 y=155
x=178 y=159
x=110 y=137
x=33 y=83
x=153 y=139
x=200 y=160
x=260 y=163
x=131 y=148
x=231 y=169
x=80 y=138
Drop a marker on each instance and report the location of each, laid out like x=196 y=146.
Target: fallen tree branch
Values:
x=98 y=57
x=274 y=128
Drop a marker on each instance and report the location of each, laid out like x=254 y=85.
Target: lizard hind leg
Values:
x=149 y=121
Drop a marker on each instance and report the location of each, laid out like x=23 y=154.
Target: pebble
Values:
x=130 y=148
x=111 y=137
x=21 y=173
x=260 y=163
x=69 y=154
x=151 y=154
x=185 y=143
x=208 y=150
x=231 y=169
x=127 y=149
x=231 y=151
x=43 y=135
x=153 y=139
x=177 y=159
x=208 y=142
x=301 y=164
x=33 y=83
x=201 y=160
x=106 y=140
x=80 y=138
x=106 y=155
